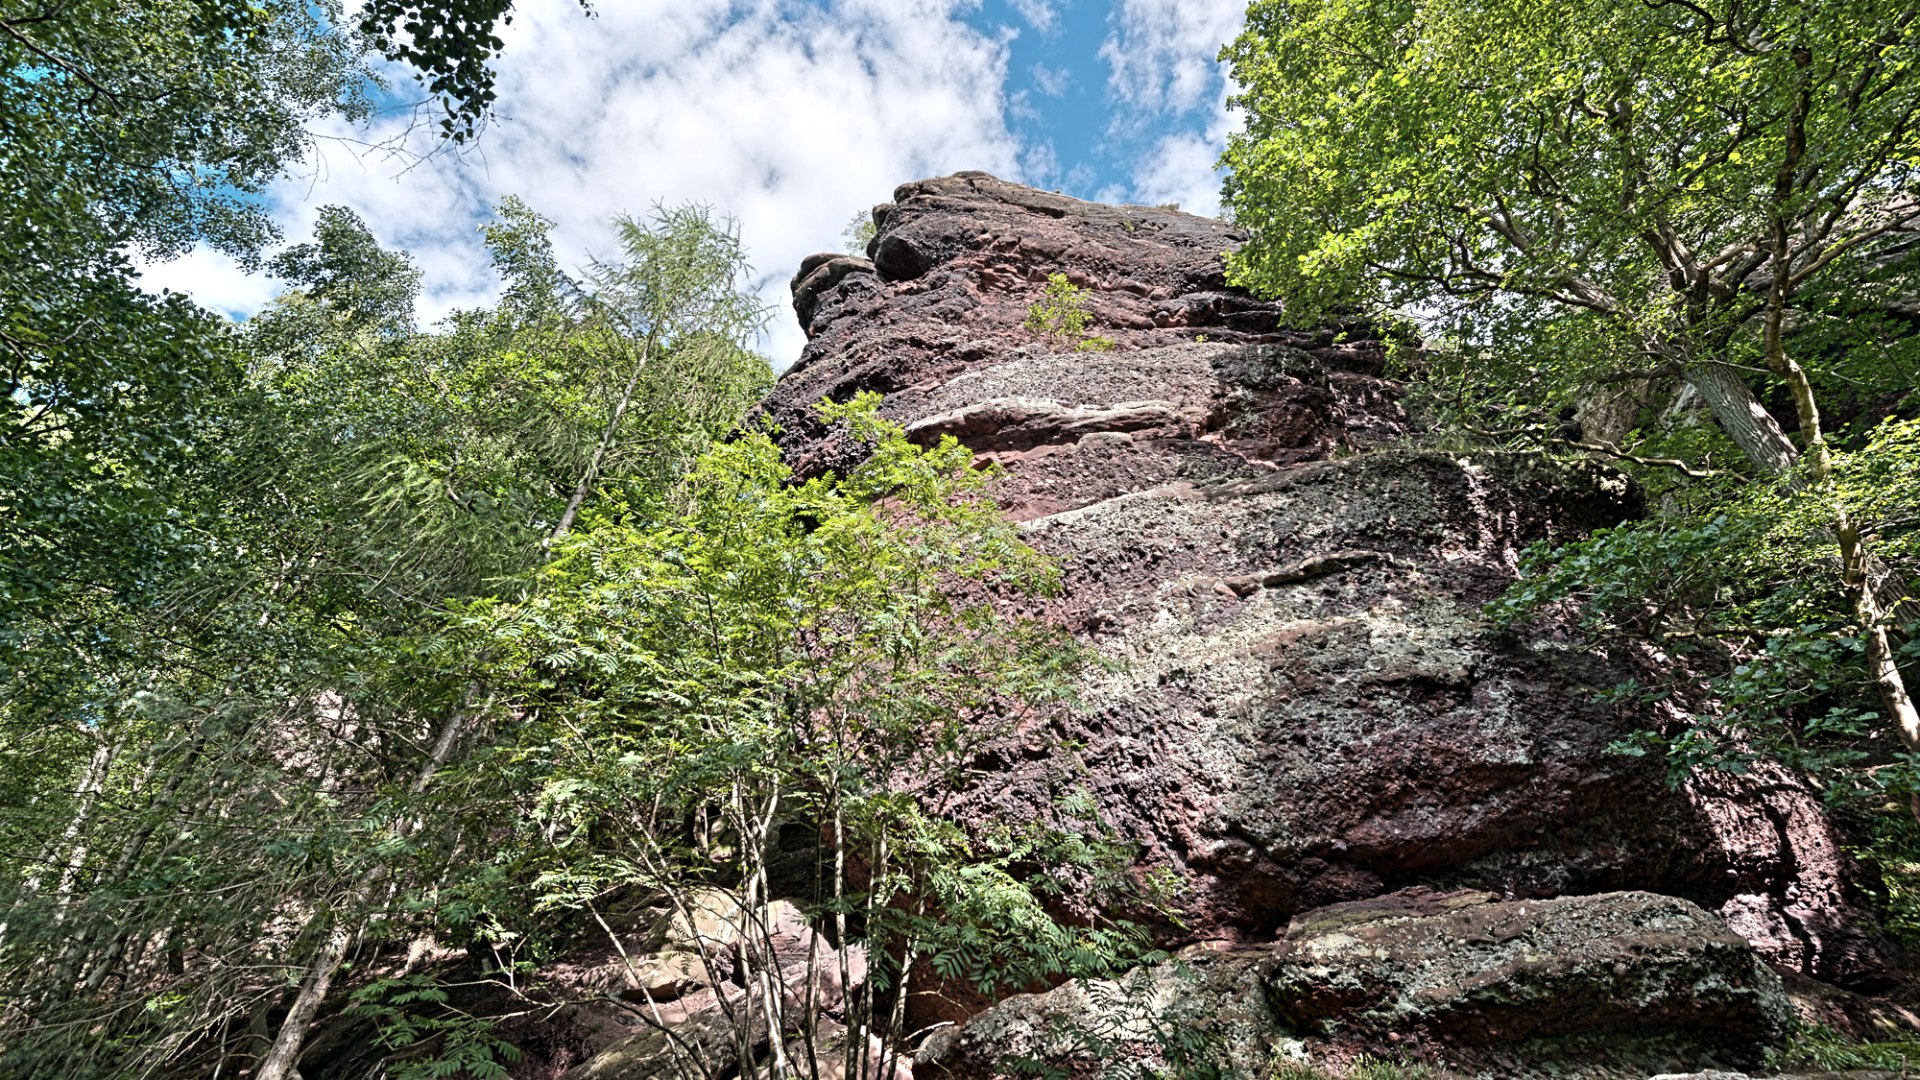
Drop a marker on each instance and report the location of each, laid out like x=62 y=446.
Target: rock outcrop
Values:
x=1462 y=974
x=1627 y=981
x=1307 y=707
x=1311 y=708
x=1399 y=832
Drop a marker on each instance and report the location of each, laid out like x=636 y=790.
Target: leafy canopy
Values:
x=214 y=748
x=451 y=45
x=1769 y=665
x=1568 y=190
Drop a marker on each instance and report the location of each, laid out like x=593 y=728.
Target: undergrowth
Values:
x=1891 y=846
x=1824 y=1049
x=1364 y=1067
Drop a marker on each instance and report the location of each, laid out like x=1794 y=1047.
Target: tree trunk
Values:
x=70 y=851
x=94 y=972
x=1858 y=567
x=1856 y=562
x=285 y=1054
x=599 y=457
x=1742 y=417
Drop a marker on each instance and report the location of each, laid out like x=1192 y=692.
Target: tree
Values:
x=451 y=45
x=1642 y=185
x=229 y=759
x=675 y=314
x=146 y=128
x=1620 y=190
x=350 y=277
x=224 y=555
x=1757 y=643
x=1061 y=318
x=665 y=327
x=128 y=128
x=779 y=658
x=859 y=232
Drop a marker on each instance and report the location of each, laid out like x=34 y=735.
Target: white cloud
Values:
x=1161 y=54
x=1180 y=167
x=1051 y=81
x=789 y=115
x=1040 y=14
x=1040 y=164
x=1162 y=66
x=1180 y=170
x=1020 y=106
x=213 y=279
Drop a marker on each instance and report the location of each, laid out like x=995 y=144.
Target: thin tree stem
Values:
x=600 y=451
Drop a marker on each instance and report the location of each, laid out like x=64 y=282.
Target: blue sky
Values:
x=791 y=115
x=1099 y=91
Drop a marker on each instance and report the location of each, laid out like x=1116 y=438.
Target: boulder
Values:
x=831 y=1059
x=816 y=975
x=684 y=1015
x=665 y=976
x=818 y=273
x=1204 y=1010
x=705 y=920
x=1452 y=974
x=701 y=1046
x=1455 y=979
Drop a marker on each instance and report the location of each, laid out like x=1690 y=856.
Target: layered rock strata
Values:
x=1306 y=705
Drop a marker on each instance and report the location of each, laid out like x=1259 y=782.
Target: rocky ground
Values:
x=1399 y=833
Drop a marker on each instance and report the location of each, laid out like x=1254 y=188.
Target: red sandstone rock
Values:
x=1310 y=708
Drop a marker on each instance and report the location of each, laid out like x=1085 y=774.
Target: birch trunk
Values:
x=285 y=1055
x=70 y=851
x=1858 y=567
x=594 y=464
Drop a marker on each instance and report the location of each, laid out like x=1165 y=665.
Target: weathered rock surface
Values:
x=1206 y=1008
x=1306 y=719
x=692 y=1006
x=689 y=1048
x=1309 y=707
x=1461 y=971
x=1456 y=979
x=705 y=920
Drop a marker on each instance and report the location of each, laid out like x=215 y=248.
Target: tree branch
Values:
x=1604 y=448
